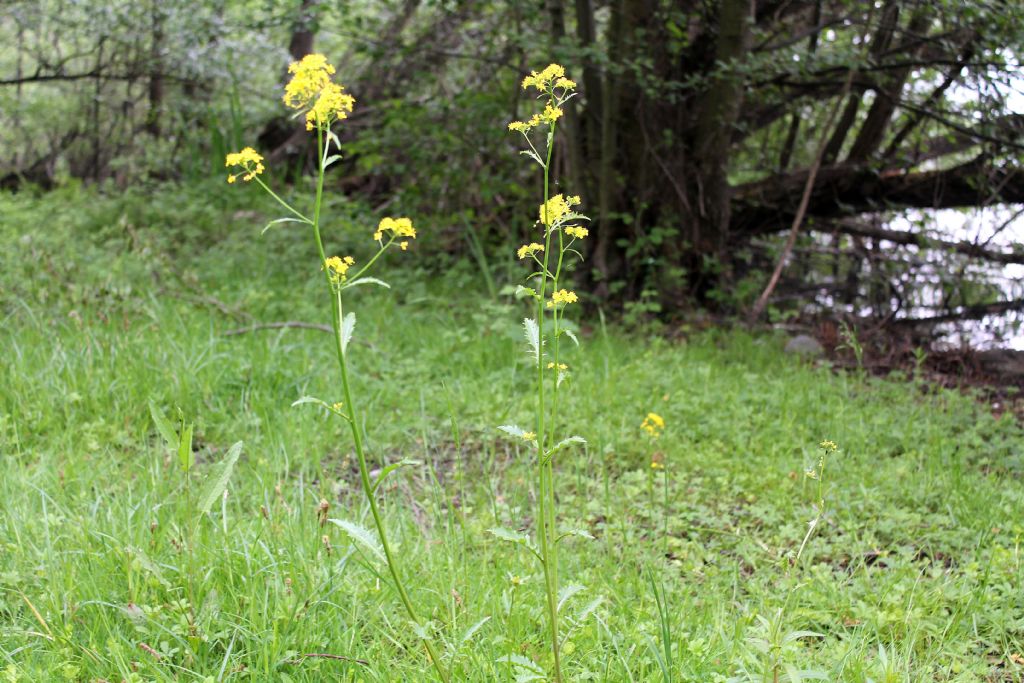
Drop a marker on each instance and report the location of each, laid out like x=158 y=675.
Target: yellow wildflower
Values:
x=556 y=207
x=562 y=296
x=332 y=104
x=336 y=407
x=561 y=366
x=542 y=81
x=577 y=231
x=310 y=76
x=653 y=424
x=565 y=84
x=828 y=446
x=403 y=245
x=528 y=436
x=338 y=266
x=396 y=227
x=520 y=126
x=250 y=161
x=655 y=465
x=551 y=114
x=529 y=249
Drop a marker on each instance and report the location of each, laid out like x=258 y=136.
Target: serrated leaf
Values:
x=348 y=325
x=218 y=479
x=391 y=468
x=509 y=535
x=520 y=661
x=576 y=532
x=513 y=430
x=163 y=426
x=522 y=292
x=471 y=631
x=566 y=593
x=532 y=336
x=271 y=224
x=362 y=536
x=589 y=609
x=367 y=281
x=562 y=444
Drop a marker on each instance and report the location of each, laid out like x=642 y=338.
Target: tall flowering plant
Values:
x=559 y=227
x=312 y=93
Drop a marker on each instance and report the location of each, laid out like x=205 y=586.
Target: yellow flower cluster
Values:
x=556 y=207
x=549 y=115
x=396 y=227
x=551 y=77
x=338 y=266
x=529 y=250
x=828 y=446
x=528 y=436
x=653 y=424
x=576 y=231
x=310 y=88
x=249 y=160
x=561 y=366
x=333 y=104
x=562 y=296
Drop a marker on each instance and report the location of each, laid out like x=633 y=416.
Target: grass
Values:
x=110 y=303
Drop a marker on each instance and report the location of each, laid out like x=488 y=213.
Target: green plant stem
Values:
x=546 y=497
x=353 y=421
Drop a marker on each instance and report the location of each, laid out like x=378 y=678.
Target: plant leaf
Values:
x=562 y=444
x=331 y=159
x=507 y=534
x=309 y=399
x=271 y=224
x=471 y=631
x=218 y=479
x=367 y=281
x=149 y=565
x=575 y=532
x=348 y=325
x=513 y=430
x=362 y=536
x=523 y=292
x=532 y=336
x=185 y=455
x=571 y=335
x=165 y=428
x=565 y=593
x=391 y=468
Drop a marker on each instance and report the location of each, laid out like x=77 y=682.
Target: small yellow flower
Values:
x=576 y=231
x=542 y=81
x=556 y=207
x=529 y=250
x=338 y=266
x=336 y=407
x=655 y=465
x=561 y=366
x=653 y=424
x=551 y=114
x=310 y=76
x=520 y=126
x=828 y=446
x=528 y=436
x=332 y=104
x=403 y=245
x=565 y=84
x=396 y=227
x=562 y=296
x=250 y=161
